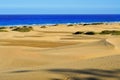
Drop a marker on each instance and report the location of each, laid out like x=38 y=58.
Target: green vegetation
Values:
x=78 y=32
x=105 y=32
x=85 y=24
x=113 y=32
x=70 y=24
x=43 y=27
x=116 y=33
x=23 y=29
x=86 y=33
x=96 y=23
x=90 y=33
x=3 y=27
x=11 y=27
x=30 y=27
x=55 y=25
x=3 y=30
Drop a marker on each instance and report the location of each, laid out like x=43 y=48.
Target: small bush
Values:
x=70 y=25
x=23 y=29
x=110 y=32
x=30 y=27
x=3 y=27
x=85 y=24
x=106 y=32
x=25 y=26
x=43 y=27
x=55 y=25
x=90 y=33
x=78 y=32
x=3 y=30
x=96 y=23
x=11 y=27
x=116 y=33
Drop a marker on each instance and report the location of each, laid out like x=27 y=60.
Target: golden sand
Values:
x=54 y=53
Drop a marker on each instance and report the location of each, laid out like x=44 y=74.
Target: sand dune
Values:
x=54 y=54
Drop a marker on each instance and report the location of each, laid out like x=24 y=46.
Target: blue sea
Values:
x=6 y=20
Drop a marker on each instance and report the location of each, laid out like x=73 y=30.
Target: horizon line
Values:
x=59 y=14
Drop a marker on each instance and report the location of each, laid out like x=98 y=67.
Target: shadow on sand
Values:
x=76 y=74
x=22 y=71
x=89 y=74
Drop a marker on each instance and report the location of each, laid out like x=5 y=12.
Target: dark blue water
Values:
x=55 y=19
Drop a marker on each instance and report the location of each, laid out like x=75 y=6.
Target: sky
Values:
x=59 y=6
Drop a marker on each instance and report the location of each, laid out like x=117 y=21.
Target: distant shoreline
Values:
x=87 y=23
x=24 y=20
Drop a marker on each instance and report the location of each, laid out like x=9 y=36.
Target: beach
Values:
x=60 y=52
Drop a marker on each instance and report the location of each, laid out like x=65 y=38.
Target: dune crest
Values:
x=115 y=41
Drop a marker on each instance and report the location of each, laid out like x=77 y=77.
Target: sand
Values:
x=54 y=53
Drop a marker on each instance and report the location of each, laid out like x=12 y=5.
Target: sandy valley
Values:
x=55 y=53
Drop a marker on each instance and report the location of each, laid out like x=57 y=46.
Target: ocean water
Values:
x=55 y=19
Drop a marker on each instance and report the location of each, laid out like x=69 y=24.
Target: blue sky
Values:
x=59 y=6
